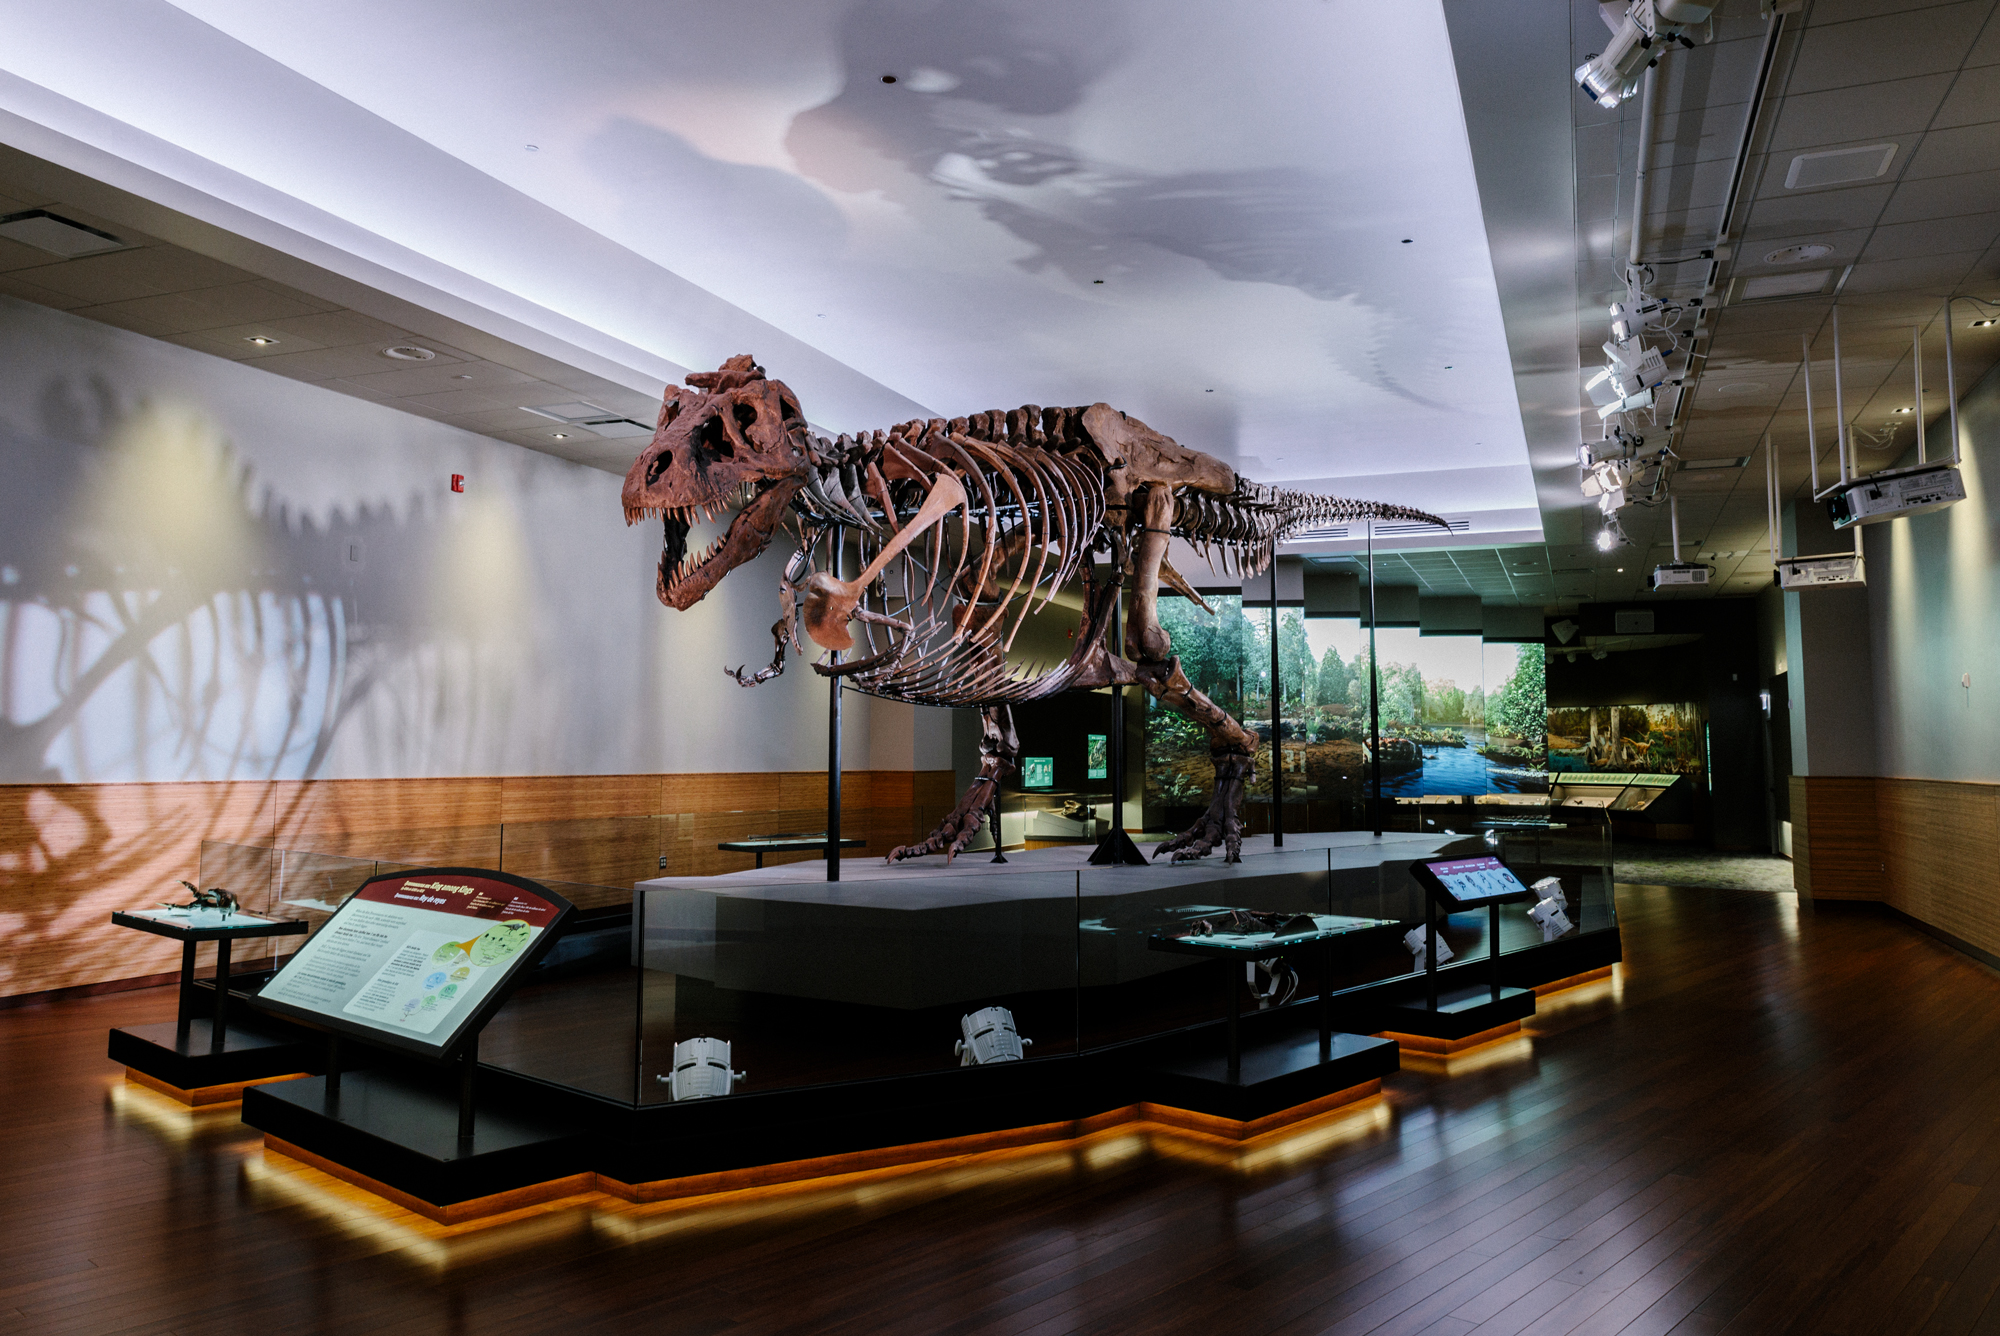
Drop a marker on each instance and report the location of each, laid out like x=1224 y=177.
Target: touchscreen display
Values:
x=1476 y=880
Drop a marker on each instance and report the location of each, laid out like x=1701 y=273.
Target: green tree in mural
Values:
x=1333 y=679
x=1444 y=703
x=1475 y=706
x=1295 y=662
x=1521 y=706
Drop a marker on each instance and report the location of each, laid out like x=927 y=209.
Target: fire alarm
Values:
x=458 y=482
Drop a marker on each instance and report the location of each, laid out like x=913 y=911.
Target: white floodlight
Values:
x=1636 y=42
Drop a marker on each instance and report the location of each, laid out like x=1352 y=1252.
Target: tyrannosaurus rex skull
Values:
x=730 y=440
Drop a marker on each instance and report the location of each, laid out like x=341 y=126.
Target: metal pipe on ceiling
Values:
x=1950 y=380
x=1646 y=130
x=1917 y=361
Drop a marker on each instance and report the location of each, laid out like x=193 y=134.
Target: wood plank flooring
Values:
x=1787 y=1122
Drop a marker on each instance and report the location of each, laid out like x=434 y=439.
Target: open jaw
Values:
x=686 y=577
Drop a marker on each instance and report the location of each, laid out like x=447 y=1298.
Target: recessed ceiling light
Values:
x=1811 y=250
x=533 y=148
x=261 y=340
x=888 y=78
x=408 y=352
x=1097 y=280
x=1982 y=324
x=560 y=435
x=461 y=376
x=1906 y=410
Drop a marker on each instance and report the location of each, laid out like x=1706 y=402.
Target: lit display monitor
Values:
x=1038 y=772
x=1470 y=883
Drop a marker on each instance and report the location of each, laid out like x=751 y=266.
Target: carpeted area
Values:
x=1690 y=865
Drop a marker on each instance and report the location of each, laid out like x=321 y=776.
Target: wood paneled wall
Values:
x=1927 y=847
x=72 y=853
x=1836 y=844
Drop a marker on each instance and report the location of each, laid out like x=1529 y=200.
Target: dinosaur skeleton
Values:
x=962 y=530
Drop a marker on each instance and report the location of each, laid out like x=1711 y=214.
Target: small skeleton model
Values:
x=1417 y=940
x=1247 y=921
x=1074 y=810
x=1272 y=982
x=701 y=1070
x=965 y=527
x=1548 y=912
x=990 y=1036
x=214 y=899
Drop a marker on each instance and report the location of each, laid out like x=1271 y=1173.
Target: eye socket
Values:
x=746 y=417
x=661 y=463
x=712 y=441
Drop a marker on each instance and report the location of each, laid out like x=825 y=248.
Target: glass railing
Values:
x=884 y=972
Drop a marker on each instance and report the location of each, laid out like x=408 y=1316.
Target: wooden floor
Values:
x=1790 y=1122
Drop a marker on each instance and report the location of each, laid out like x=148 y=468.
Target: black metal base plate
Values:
x=1278 y=1074
x=401 y=1130
x=188 y=1058
x=1460 y=1012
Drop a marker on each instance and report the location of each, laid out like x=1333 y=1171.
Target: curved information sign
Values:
x=416 y=960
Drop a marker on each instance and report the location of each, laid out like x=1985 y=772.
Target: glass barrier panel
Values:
x=248 y=872
x=575 y=1019
x=591 y=862
x=1134 y=981
x=811 y=982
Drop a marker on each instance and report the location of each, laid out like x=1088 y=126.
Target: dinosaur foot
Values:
x=1220 y=824
x=955 y=831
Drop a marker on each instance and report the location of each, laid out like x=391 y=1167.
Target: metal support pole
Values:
x=1431 y=953
x=186 y=1016
x=833 y=739
x=1118 y=715
x=1645 y=162
x=218 y=1028
x=1493 y=945
x=1374 y=696
x=1235 y=1020
x=1277 y=718
x=1917 y=359
x=1950 y=382
x=1326 y=1004
x=468 y=1070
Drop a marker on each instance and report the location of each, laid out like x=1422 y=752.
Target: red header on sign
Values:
x=453 y=893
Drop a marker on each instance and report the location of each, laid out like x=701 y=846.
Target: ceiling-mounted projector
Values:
x=1894 y=493
x=1677 y=573
x=1838 y=568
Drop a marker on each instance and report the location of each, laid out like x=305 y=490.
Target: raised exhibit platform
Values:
x=842 y=1001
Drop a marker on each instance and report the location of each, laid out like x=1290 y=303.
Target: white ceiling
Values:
x=1160 y=205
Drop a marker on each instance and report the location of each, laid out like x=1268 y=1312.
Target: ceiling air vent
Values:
x=1726 y=462
x=1839 y=166
x=1778 y=287
x=601 y=421
x=56 y=235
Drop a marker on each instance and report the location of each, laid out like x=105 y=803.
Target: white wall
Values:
x=1934 y=596
x=210 y=572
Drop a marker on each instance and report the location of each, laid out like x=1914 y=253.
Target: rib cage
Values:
x=1036 y=486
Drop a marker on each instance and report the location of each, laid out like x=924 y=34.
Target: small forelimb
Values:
x=783 y=630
